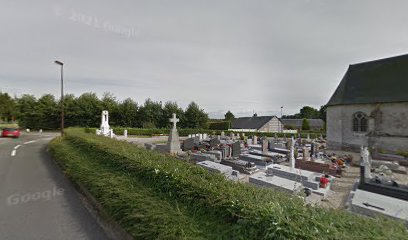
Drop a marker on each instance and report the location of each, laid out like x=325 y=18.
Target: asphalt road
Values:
x=36 y=200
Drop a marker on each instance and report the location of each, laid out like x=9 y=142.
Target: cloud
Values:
x=225 y=55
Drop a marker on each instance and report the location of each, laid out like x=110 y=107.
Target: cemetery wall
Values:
x=387 y=126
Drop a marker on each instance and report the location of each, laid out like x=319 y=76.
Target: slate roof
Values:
x=379 y=81
x=297 y=123
x=250 y=122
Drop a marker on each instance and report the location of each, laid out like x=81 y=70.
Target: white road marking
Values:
x=13 y=153
x=16 y=147
x=32 y=141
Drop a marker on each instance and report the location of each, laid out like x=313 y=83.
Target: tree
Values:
x=7 y=107
x=168 y=110
x=309 y=113
x=322 y=112
x=109 y=103
x=71 y=110
x=89 y=110
x=151 y=114
x=128 y=113
x=195 y=117
x=305 y=124
x=229 y=116
x=47 y=112
x=26 y=105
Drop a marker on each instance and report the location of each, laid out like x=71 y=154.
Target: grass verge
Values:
x=155 y=196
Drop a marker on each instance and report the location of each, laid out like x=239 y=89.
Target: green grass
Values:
x=156 y=196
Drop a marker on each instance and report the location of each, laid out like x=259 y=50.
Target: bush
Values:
x=238 y=209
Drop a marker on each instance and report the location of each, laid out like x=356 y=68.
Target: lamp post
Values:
x=281 y=119
x=62 y=95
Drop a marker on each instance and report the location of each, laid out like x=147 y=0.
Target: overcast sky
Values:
x=242 y=56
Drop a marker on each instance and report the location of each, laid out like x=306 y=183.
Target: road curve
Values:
x=36 y=200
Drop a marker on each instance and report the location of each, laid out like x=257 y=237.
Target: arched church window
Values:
x=360 y=122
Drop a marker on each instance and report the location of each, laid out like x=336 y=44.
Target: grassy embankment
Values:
x=153 y=196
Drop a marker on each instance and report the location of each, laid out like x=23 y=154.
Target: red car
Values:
x=10 y=132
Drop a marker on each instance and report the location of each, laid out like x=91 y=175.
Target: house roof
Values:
x=254 y=122
x=297 y=123
x=379 y=81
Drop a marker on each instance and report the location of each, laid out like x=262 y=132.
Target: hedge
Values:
x=240 y=209
x=186 y=132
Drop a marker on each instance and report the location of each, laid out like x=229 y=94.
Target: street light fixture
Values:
x=281 y=119
x=62 y=95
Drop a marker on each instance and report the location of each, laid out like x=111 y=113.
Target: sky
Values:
x=240 y=55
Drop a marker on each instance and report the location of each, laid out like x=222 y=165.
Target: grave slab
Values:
x=371 y=204
x=263 y=180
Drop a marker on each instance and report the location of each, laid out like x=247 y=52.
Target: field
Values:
x=153 y=196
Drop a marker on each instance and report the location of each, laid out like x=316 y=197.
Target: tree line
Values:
x=85 y=111
x=308 y=112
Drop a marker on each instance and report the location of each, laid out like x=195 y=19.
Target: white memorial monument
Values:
x=173 y=143
x=105 y=128
x=366 y=161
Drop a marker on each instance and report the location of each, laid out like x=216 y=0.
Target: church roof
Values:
x=379 y=81
x=254 y=122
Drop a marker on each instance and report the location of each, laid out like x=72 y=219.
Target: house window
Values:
x=360 y=122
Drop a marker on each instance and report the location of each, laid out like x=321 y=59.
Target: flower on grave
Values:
x=156 y=171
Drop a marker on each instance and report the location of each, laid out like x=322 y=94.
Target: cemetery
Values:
x=201 y=169
x=301 y=166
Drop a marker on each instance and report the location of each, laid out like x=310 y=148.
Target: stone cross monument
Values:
x=173 y=143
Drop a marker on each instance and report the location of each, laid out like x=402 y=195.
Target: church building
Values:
x=370 y=107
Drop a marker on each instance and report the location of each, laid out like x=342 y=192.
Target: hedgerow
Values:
x=245 y=211
x=186 y=132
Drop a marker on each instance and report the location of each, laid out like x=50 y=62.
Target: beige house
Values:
x=257 y=124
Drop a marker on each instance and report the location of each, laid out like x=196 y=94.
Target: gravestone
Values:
x=111 y=133
x=214 y=142
x=188 y=144
x=249 y=141
x=222 y=134
x=125 y=133
x=236 y=149
x=255 y=140
x=306 y=154
x=218 y=137
x=205 y=136
x=173 y=143
x=265 y=145
x=232 y=136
